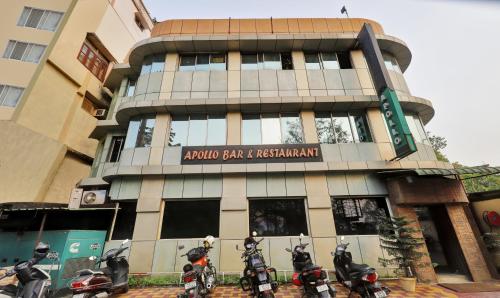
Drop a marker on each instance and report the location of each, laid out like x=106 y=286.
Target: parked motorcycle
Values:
x=113 y=279
x=32 y=282
x=310 y=277
x=257 y=276
x=358 y=278
x=200 y=276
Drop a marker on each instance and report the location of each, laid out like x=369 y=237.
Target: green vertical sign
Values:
x=396 y=122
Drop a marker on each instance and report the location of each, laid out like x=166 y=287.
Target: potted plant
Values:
x=398 y=238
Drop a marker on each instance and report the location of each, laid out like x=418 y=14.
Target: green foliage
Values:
x=438 y=144
x=154 y=281
x=397 y=238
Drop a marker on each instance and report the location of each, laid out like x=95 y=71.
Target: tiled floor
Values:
x=289 y=291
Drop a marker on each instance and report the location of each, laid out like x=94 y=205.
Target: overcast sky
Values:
x=456 y=56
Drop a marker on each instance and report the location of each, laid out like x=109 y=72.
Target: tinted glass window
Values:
x=272 y=61
x=271 y=132
x=202 y=62
x=312 y=61
x=249 y=62
x=324 y=128
x=360 y=129
x=158 y=63
x=330 y=61
x=190 y=219
x=251 y=130
x=133 y=130
x=178 y=131
x=218 y=62
x=342 y=128
x=198 y=130
x=216 y=130
x=197 y=135
x=187 y=63
x=140 y=132
x=130 y=89
x=358 y=216
x=274 y=217
x=291 y=129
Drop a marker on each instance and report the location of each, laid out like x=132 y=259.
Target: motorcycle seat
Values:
x=88 y=272
x=358 y=268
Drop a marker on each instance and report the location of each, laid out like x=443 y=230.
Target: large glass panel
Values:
x=35 y=53
x=24 y=16
x=218 y=62
x=358 y=216
x=197 y=135
x=312 y=61
x=130 y=91
x=360 y=129
x=272 y=61
x=291 y=129
x=330 y=61
x=158 y=63
x=387 y=61
x=413 y=128
x=133 y=131
x=52 y=21
x=146 y=65
x=145 y=135
x=19 y=50
x=187 y=63
x=271 y=132
x=178 y=131
x=272 y=217
x=420 y=129
x=324 y=128
x=216 y=132
x=342 y=128
x=179 y=222
x=12 y=96
x=34 y=18
x=249 y=62
x=251 y=130
x=202 y=62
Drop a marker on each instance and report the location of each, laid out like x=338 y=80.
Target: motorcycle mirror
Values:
x=301 y=235
x=287 y=249
x=180 y=247
x=125 y=241
x=254 y=234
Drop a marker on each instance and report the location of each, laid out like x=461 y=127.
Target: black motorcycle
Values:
x=33 y=282
x=358 y=278
x=257 y=277
x=112 y=279
x=310 y=277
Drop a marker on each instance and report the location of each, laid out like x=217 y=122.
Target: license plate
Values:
x=190 y=285
x=380 y=294
x=264 y=287
x=79 y=296
x=322 y=288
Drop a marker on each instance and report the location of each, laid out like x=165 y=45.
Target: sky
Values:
x=456 y=56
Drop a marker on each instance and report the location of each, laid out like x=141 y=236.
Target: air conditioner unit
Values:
x=75 y=198
x=93 y=197
x=100 y=113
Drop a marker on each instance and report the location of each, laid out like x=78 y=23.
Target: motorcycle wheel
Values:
x=269 y=294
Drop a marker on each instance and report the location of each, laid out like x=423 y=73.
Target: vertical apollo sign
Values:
x=402 y=139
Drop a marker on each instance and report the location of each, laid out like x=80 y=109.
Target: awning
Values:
x=479 y=171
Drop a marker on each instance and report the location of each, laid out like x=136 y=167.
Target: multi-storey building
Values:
x=226 y=126
x=55 y=55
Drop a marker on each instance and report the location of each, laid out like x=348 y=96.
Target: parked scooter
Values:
x=33 y=282
x=113 y=279
x=257 y=276
x=200 y=276
x=358 y=278
x=310 y=277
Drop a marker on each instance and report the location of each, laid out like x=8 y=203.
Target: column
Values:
x=233 y=74
x=168 y=76
x=300 y=73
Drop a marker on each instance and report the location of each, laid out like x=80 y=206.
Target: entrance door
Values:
x=442 y=243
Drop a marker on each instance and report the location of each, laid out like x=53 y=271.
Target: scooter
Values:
x=310 y=277
x=112 y=279
x=257 y=276
x=33 y=282
x=200 y=276
x=358 y=278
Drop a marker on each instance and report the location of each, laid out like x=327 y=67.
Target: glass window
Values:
x=360 y=129
x=10 y=95
x=34 y=53
x=266 y=61
x=329 y=61
x=18 y=51
x=272 y=61
x=202 y=62
x=216 y=130
x=278 y=217
x=342 y=128
x=291 y=129
x=125 y=221
x=416 y=129
x=197 y=134
x=187 y=63
x=40 y=19
x=179 y=222
x=51 y=21
x=251 y=130
x=140 y=132
x=24 y=16
x=93 y=61
x=146 y=65
x=249 y=62
x=271 y=132
x=34 y=18
x=421 y=129
x=218 y=62
x=130 y=89
x=391 y=63
x=178 y=131
x=158 y=63
x=358 y=216
x=9 y=49
x=286 y=61
x=115 y=149
x=312 y=61
x=324 y=128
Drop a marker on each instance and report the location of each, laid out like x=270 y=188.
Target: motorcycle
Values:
x=113 y=279
x=32 y=282
x=200 y=276
x=257 y=276
x=310 y=277
x=358 y=278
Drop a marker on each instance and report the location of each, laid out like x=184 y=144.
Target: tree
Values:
x=438 y=143
x=398 y=238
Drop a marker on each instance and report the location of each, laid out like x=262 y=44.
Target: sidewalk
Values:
x=290 y=291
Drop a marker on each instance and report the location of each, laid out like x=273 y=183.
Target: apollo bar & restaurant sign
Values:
x=251 y=154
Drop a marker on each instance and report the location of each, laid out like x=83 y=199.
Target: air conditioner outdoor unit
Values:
x=100 y=113
x=93 y=197
x=75 y=198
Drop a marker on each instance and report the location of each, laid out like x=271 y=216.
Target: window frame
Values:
x=281 y=115
x=196 y=57
x=353 y=130
x=142 y=124
x=112 y=147
x=97 y=64
x=43 y=18
x=261 y=61
x=321 y=60
x=206 y=128
x=11 y=48
x=4 y=91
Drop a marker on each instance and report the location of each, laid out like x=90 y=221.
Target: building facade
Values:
x=223 y=127
x=55 y=57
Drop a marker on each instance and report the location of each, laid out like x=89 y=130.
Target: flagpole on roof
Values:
x=344 y=10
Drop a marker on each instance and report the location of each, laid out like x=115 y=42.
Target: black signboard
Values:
x=237 y=154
